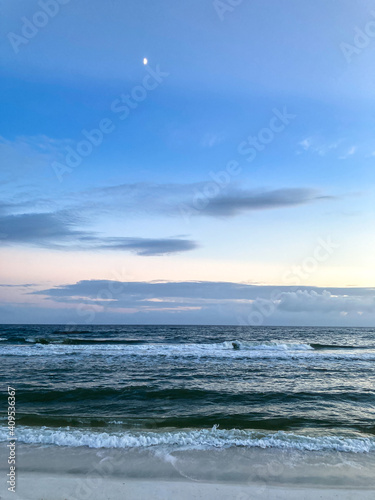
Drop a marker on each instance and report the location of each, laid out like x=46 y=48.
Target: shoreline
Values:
x=238 y=473
x=43 y=486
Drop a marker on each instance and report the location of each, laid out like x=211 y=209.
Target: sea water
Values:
x=173 y=389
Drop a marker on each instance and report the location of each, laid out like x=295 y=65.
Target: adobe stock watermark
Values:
x=249 y=149
x=94 y=479
x=31 y=26
x=121 y=107
x=222 y=7
x=361 y=40
x=292 y=277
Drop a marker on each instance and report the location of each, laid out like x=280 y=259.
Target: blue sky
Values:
x=243 y=146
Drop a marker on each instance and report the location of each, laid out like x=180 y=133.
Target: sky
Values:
x=229 y=180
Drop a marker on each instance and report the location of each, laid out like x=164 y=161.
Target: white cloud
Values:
x=322 y=147
x=348 y=153
x=210 y=140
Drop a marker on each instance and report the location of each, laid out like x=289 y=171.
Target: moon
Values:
x=145 y=61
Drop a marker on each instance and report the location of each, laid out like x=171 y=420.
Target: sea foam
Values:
x=231 y=349
x=190 y=439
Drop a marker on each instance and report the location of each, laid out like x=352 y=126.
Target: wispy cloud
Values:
x=25 y=285
x=322 y=147
x=60 y=231
x=40 y=228
x=156 y=199
x=306 y=143
x=319 y=145
x=147 y=246
x=210 y=140
x=29 y=154
x=351 y=151
x=246 y=201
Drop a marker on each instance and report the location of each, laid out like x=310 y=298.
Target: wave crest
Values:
x=191 y=439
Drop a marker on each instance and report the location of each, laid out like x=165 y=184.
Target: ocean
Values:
x=190 y=387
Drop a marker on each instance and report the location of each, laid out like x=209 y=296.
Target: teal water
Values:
x=191 y=386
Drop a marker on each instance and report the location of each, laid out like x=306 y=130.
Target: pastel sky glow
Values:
x=185 y=162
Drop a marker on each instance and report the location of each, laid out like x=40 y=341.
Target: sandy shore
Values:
x=64 y=473
x=62 y=487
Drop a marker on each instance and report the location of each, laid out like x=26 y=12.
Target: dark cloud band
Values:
x=58 y=230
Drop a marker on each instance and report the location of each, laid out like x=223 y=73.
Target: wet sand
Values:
x=63 y=473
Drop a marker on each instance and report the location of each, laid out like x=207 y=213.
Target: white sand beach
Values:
x=61 y=473
x=63 y=487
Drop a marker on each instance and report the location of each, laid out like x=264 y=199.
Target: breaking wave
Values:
x=227 y=349
x=191 y=439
